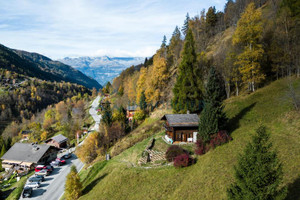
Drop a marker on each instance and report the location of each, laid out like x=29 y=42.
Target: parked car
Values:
x=39 y=168
x=49 y=168
x=33 y=184
x=43 y=172
x=55 y=163
x=34 y=179
x=40 y=177
x=27 y=192
x=67 y=155
x=62 y=161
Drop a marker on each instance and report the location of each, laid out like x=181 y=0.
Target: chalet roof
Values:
x=26 y=152
x=59 y=138
x=132 y=107
x=26 y=132
x=182 y=120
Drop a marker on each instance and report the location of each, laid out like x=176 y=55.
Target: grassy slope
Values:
x=212 y=174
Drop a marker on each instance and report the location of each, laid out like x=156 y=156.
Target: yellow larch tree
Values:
x=141 y=83
x=157 y=78
x=248 y=35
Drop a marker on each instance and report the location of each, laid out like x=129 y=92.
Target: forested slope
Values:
x=213 y=173
x=41 y=67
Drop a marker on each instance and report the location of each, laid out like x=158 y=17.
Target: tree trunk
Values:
x=237 y=88
x=227 y=89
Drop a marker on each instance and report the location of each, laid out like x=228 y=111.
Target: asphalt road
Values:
x=93 y=113
x=53 y=186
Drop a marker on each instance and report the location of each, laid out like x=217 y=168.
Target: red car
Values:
x=62 y=161
x=39 y=168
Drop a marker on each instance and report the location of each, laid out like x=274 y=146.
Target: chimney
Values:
x=188 y=112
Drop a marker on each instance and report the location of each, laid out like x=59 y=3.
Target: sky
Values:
x=61 y=28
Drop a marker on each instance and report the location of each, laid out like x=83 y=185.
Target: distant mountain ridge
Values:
x=103 y=68
x=41 y=67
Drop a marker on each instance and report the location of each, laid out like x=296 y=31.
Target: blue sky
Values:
x=60 y=28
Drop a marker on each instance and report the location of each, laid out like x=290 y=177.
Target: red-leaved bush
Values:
x=183 y=160
x=215 y=140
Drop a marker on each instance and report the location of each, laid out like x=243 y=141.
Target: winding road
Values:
x=93 y=113
x=53 y=186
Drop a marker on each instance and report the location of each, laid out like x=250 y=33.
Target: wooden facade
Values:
x=58 y=141
x=181 y=134
x=180 y=129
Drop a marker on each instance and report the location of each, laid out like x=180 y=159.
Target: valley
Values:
x=102 y=69
x=123 y=108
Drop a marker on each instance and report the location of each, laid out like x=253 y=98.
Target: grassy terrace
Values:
x=213 y=173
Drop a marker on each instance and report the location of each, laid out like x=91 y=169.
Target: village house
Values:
x=130 y=112
x=58 y=141
x=26 y=134
x=25 y=156
x=181 y=127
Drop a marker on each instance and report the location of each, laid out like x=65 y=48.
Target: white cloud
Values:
x=59 y=28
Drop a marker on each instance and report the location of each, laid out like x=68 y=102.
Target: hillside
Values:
x=104 y=68
x=41 y=67
x=21 y=97
x=213 y=173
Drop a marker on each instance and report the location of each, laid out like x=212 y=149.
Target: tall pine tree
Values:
x=212 y=118
x=106 y=114
x=143 y=103
x=187 y=92
x=185 y=27
x=259 y=172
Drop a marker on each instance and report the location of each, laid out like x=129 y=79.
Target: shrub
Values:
x=200 y=150
x=215 y=140
x=183 y=160
x=139 y=115
x=174 y=151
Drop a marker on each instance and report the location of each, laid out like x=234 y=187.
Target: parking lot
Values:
x=52 y=187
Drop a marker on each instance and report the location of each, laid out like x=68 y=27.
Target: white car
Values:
x=43 y=172
x=33 y=184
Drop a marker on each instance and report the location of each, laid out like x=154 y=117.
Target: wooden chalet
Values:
x=130 y=112
x=181 y=127
x=24 y=156
x=58 y=141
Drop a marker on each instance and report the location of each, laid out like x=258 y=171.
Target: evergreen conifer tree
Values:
x=143 y=103
x=73 y=186
x=187 y=92
x=107 y=114
x=211 y=17
x=164 y=42
x=212 y=118
x=259 y=172
x=185 y=27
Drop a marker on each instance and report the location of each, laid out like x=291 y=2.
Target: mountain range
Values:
x=103 y=68
x=42 y=67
